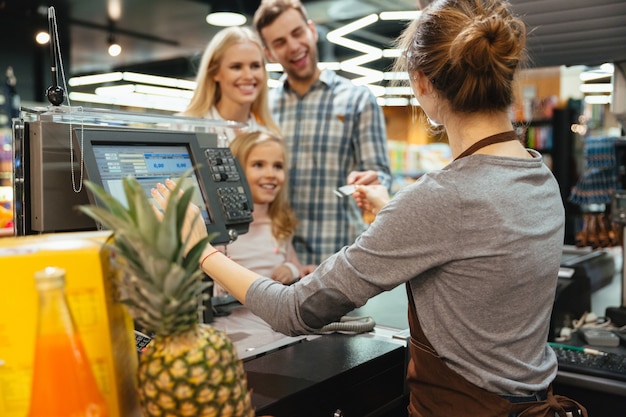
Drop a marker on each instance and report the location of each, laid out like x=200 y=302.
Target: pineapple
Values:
x=189 y=369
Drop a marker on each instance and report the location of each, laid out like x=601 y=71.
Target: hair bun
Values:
x=485 y=45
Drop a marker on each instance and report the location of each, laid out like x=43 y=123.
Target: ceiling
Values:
x=166 y=37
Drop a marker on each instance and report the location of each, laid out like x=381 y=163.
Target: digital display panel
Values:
x=149 y=164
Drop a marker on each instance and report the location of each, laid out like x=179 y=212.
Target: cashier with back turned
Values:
x=477 y=243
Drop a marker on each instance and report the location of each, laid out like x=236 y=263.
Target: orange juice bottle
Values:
x=63 y=381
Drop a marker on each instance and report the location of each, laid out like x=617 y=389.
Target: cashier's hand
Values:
x=194 y=228
x=371 y=198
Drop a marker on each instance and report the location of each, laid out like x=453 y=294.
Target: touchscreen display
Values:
x=149 y=164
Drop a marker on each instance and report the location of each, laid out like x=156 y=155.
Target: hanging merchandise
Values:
x=63 y=381
x=595 y=188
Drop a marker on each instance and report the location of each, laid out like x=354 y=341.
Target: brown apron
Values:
x=436 y=390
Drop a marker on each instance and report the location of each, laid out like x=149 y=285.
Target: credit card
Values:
x=345 y=190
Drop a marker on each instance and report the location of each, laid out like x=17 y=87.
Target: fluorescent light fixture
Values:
x=604 y=71
x=608 y=67
x=596 y=88
x=108 y=77
x=391 y=53
x=337 y=36
x=225 y=19
x=377 y=90
x=392 y=101
x=369 y=75
x=133 y=100
x=339 y=33
x=164 y=91
x=598 y=99
x=391 y=76
x=134 y=77
x=400 y=15
x=115 y=90
x=119 y=90
x=158 y=80
x=398 y=91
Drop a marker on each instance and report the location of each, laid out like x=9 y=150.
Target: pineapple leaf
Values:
x=161 y=283
x=110 y=203
x=140 y=209
x=169 y=239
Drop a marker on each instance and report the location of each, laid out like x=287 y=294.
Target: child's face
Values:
x=265 y=171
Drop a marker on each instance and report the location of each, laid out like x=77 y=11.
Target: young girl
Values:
x=266 y=248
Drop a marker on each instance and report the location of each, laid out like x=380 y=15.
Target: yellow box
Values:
x=104 y=325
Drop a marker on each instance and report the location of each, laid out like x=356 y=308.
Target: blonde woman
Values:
x=232 y=83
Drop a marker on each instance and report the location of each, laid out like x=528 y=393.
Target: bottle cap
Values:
x=51 y=275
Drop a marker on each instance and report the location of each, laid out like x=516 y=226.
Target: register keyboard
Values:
x=607 y=365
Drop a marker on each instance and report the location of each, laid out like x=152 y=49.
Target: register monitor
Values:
x=221 y=191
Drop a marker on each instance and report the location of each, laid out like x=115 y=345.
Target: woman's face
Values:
x=241 y=73
x=265 y=171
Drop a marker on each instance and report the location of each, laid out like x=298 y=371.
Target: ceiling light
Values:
x=225 y=19
x=42 y=37
x=134 y=100
x=604 y=71
x=95 y=79
x=392 y=101
x=598 y=99
x=114 y=9
x=225 y=13
x=114 y=48
x=596 y=88
x=400 y=15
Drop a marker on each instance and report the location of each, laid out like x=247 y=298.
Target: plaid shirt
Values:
x=335 y=128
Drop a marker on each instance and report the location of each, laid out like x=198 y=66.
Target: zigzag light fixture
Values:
x=159 y=100
x=370 y=53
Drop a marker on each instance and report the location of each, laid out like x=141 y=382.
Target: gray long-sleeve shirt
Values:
x=480 y=241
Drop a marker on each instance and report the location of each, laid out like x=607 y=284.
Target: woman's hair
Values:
x=470 y=51
x=208 y=93
x=280 y=211
x=269 y=10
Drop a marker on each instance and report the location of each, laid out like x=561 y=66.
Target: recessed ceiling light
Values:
x=225 y=19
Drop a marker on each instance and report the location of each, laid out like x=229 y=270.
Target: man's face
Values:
x=292 y=42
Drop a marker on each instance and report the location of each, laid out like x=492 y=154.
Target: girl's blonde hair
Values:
x=208 y=93
x=281 y=214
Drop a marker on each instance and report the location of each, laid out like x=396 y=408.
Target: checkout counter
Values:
x=601 y=272
x=323 y=375
x=331 y=375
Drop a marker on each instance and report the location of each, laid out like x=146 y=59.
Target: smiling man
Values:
x=335 y=132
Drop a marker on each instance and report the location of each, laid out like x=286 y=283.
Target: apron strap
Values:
x=489 y=140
